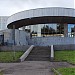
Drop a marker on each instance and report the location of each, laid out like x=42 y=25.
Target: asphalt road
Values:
x=31 y=67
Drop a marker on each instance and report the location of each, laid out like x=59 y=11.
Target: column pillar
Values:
x=65 y=30
x=74 y=31
x=13 y=34
x=23 y=28
x=39 y=31
x=31 y=28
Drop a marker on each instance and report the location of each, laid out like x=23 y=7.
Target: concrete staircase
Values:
x=39 y=53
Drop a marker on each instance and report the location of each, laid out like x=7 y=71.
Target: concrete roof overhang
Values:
x=42 y=20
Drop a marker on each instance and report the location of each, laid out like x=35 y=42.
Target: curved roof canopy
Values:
x=42 y=16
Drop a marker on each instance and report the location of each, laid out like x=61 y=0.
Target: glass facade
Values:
x=43 y=30
x=54 y=15
x=71 y=30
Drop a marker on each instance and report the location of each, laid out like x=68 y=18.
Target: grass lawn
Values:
x=9 y=56
x=1 y=73
x=67 y=71
x=66 y=55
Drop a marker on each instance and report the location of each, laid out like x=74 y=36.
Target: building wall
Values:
x=7 y=34
x=23 y=38
x=47 y=41
x=20 y=37
x=16 y=48
x=64 y=47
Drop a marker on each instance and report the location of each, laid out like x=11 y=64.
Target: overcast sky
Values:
x=9 y=7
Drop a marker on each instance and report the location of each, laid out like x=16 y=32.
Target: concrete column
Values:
x=13 y=34
x=74 y=31
x=39 y=31
x=23 y=28
x=65 y=30
x=31 y=28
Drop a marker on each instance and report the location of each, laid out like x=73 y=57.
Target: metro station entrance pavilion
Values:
x=46 y=26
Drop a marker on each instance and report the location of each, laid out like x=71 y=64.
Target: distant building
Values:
x=3 y=22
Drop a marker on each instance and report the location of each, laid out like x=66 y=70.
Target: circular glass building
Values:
x=54 y=23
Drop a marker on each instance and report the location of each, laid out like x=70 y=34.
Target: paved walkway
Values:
x=31 y=67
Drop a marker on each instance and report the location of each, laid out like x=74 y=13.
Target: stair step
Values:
x=39 y=54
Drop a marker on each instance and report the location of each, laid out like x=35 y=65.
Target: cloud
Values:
x=9 y=7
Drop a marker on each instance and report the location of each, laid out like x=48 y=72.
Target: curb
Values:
x=24 y=56
x=55 y=71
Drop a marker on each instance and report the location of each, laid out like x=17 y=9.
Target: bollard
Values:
x=52 y=53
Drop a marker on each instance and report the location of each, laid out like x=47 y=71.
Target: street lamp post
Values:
x=13 y=36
